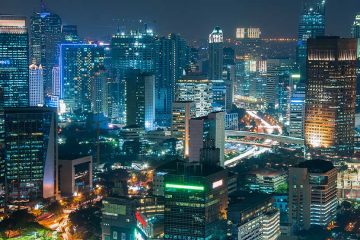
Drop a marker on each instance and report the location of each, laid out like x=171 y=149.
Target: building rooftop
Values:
x=188 y=168
x=244 y=201
x=317 y=166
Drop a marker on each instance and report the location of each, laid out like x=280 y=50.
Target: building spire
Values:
x=42 y=6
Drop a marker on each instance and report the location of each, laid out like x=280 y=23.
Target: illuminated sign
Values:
x=140 y=219
x=217 y=184
x=188 y=187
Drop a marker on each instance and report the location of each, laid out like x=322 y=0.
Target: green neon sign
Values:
x=189 y=187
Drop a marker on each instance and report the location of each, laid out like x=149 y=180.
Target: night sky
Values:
x=194 y=19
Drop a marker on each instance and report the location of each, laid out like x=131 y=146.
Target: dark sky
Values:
x=193 y=19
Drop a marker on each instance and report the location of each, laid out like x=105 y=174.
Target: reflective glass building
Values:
x=14 y=63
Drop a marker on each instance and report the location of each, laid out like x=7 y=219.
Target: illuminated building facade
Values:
x=242 y=33
x=311 y=25
x=195 y=202
x=30 y=154
x=140 y=99
x=330 y=96
x=207 y=135
x=348 y=182
x=78 y=64
x=355 y=30
x=216 y=54
x=312 y=194
x=100 y=101
x=171 y=61
x=198 y=89
x=45 y=35
x=36 y=86
x=14 y=61
x=129 y=50
x=253 y=216
x=180 y=128
x=297 y=113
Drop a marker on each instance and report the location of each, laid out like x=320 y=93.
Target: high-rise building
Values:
x=311 y=25
x=297 y=113
x=130 y=50
x=207 y=134
x=45 y=35
x=330 y=96
x=140 y=99
x=180 y=128
x=99 y=93
x=312 y=194
x=242 y=33
x=171 y=61
x=36 y=86
x=195 y=202
x=14 y=61
x=216 y=54
x=30 y=154
x=196 y=88
x=78 y=64
x=70 y=34
x=56 y=82
x=355 y=29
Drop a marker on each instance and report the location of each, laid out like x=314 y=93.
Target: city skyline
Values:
x=278 y=18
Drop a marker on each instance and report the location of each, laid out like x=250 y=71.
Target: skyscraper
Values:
x=312 y=194
x=45 y=35
x=130 y=50
x=78 y=64
x=311 y=25
x=355 y=29
x=297 y=113
x=330 y=96
x=30 y=154
x=196 y=88
x=207 y=137
x=195 y=202
x=171 y=61
x=216 y=54
x=14 y=61
x=140 y=99
x=99 y=92
x=180 y=128
x=36 y=85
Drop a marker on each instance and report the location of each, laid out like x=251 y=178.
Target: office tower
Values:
x=196 y=88
x=195 y=202
x=232 y=121
x=216 y=54
x=207 y=133
x=140 y=100
x=56 y=82
x=311 y=25
x=253 y=216
x=330 y=96
x=130 y=50
x=99 y=92
x=30 y=154
x=355 y=29
x=36 y=85
x=14 y=61
x=251 y=78
x=279 y=86
x=312 y=194
x=297 y=113
x=182 y=112
x=219 y=95
x=78 y=64
x=242 y=33
x=355 y=33
x=45 y=35
x=229 y=56
x=249 y=44
x=171 y=61
x=70 y=34
x=228 y=76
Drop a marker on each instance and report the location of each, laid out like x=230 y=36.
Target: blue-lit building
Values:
x=311 y=25
x=45 y=35
x=297 y=112
x=78 y=63
x=171 y=61
x=30 y=154
x=129 y=50
x=14 y=63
